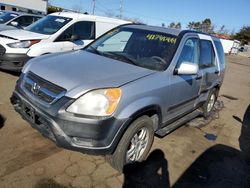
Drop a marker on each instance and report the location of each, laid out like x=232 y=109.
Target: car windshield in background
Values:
x=7 y=16
x=144 y=48
x=48 y=25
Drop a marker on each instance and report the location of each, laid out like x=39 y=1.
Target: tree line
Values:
x=206 y=26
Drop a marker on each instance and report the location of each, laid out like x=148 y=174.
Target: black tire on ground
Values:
x=119 y=158
x=206 y=110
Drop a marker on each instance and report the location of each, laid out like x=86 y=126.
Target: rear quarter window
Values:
x=220 y=51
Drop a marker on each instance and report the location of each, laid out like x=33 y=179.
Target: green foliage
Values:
x=206 y=25
x=203 y=26
x=52 y=9
x=178 y=25
x=171 y=25
x=243 y=35
x=175 y=25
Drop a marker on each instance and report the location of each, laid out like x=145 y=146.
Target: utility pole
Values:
x=121 y=8
x=93 y=10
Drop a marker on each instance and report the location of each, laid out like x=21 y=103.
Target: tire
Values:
x=141 y=128
x=208 y=106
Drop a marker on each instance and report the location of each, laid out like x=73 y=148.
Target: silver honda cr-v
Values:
x=111 y=97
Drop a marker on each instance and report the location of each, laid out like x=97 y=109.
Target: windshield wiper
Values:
x=94 y=50
x=126 y=58
x=113 y=54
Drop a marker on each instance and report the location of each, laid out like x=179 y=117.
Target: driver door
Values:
x=63 y=43
x=184 y=89
x=85 y=33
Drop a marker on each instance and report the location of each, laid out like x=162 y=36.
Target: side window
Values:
x=220 y=51
x=207 y=54
x=84 y=31
x=66 y=35
x=36 y=18
x=24 y=21
x=190 y=52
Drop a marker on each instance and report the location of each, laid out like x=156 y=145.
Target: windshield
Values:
x=144 y=48
x=7 y=16
x=48 y=25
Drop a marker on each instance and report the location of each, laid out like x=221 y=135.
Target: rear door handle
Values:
x=216 y=72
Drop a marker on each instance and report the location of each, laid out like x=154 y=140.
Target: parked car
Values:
x=10 y=20
x=112 y=97
x=57 y=32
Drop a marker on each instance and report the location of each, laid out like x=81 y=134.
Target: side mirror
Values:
x=74 y=38
x=187 y=68
x=15 y=24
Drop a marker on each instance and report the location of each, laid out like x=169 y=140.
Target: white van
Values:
x=57 y=32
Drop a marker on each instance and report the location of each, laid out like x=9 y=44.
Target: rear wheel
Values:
x=134 y=145
x=208 y=106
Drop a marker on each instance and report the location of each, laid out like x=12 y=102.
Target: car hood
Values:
x=20 y=34
x=81 y=71
x=6 y=27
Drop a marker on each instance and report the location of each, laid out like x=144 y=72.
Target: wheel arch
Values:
x=217 y=89
x=152 y=111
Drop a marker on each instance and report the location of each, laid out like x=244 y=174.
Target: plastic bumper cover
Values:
x=13 y=62
x=93 y=136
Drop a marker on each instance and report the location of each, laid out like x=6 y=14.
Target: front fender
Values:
x=36 y=50
x=43 y=48
x=131 y=110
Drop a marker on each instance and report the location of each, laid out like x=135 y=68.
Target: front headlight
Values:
x=101 y=102
x=23 y=44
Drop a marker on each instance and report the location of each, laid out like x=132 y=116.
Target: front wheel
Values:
x=134 y=145
x=208 y=106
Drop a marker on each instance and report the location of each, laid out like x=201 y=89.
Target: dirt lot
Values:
x=199 y=154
